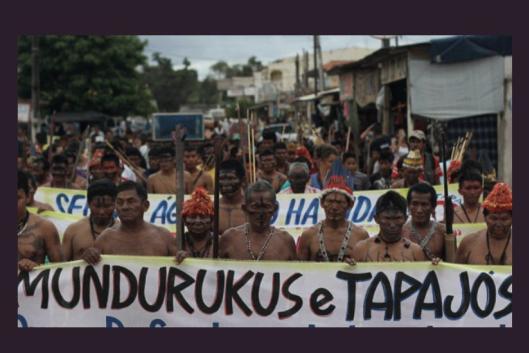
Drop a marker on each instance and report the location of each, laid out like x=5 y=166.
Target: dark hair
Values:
x=269 y=135
x=131 y=185
x=59 y=159
x=167 y=150
x=259 y=186
x=487 y=212
x=348 y=155
x=471 y=165
x=324 y=151
x=266 y=153
x=190 y=148
x=470 y=175
x=386 y=155
x=280 y=146
x=102 y=187
x=377 y=128
x=423 y=188
x=110 y=157
x=391 y=201
x=22 y=182
x=233 y=165
x=133 y=151
x=154 y=151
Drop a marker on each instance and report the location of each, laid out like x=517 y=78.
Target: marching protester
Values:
x=40 y=206
x=471 y=189
x=298 y=180
x=410 y=171
x=268 y=172
x=281 y=154
x=421 y=228
x=37 y=237
x=257 y=239
x=382 y=179
x=493 y=245
x=389 y=245
x=199 y=178
x=334 y=238
x=132 y=235
x=231 y=180
x=81 y=235
x=360 y=180
x=164 y=181
x=431 y=170
x=325 y=155
x=197 y=214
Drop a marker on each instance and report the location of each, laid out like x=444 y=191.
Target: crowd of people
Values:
x=119 y=170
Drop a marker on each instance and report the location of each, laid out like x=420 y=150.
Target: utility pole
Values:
x=320 y=67
x=35 y=86
x=296 y=89
x=315 y=55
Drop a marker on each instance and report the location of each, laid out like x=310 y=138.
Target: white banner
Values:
x=154 y=292
x=295 y=210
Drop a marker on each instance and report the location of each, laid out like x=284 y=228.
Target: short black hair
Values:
x=154 y=151
x=22 y=182
x=280 y=146
x=233 y=165
x=133 y=151
x=348 y=155
x=266 y=153
x=110 y=157
x=59 y=159
x=324 y=151
x=190 y=148
x=423 y=188
x=386 y=155
x=102 y=187
x=391 y=201
x=131 y=185
x=269 y=135
x=167 y=150
x=470 y=175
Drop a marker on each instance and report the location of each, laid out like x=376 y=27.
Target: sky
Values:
x=204 y=51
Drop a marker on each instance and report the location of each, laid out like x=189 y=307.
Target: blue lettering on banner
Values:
x=292 y=210
x=360 y=203
x=157 y=323
x=74 y=205
x=159 y=212
x=111 y=321
x=312 y=212
x=171 y=214
x=59 y=199
x=22 y=321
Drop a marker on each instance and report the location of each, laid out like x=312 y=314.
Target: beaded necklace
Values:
x=490 y=259
x=343 y=247
x=263 y=248
x=22 y=225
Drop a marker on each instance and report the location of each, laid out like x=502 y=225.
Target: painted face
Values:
x=420 y=207
x=135 y=160
x=190 y=159
x=391 y=223
x=97 y=172
x=291 y=156
x=471 y=191
x=281 y=155
x=102 y=209
x=198 y=224
x=268 y=163
x=229 y=182
x=22 y=201
x=411 y=175
x=266 y=145
x=59 y=171
x=110 y=169
x=298 y=178
x=260 y=209
x=130 y=207
x=350 y=163
x=336 y=206
x=154 y=162
x=498 y=223
x=416 y=144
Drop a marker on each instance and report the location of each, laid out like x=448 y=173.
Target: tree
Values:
x=81 y=73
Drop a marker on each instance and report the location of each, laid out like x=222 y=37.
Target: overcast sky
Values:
x=204 y=51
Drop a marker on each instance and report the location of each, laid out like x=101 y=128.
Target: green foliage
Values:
x=222 y=69
x=80 y=73
x=244 y=105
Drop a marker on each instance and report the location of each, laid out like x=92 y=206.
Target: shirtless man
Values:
x=389 y=245
x=40 y=206
x=199 y=178
x=231 y=177
x=471 y=188
x=267 y=170
x=420 y=228
x=334 y=238
x=491 y=246
x=59 y=173
x=132 y=236
x=257 y=239
x=281 y=154
x=164 y=181
x=81 y=235
x=37 y=237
